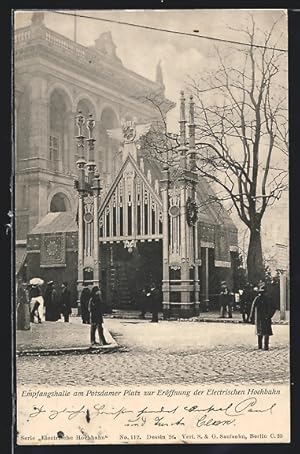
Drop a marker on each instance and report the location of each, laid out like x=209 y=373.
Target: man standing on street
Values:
x=153 y=295
x=247 y=298
x=225 y=300
x=84 y=303
x=95 y=308
x=262 y=311
x=65 y=301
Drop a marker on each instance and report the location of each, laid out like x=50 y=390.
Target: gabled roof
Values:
x=129 y=161
x=56 y=223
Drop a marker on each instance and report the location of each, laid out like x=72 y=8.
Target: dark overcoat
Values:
x=84 y=302
x=23 y=311
x=224 y=298
x=51 y=303
x=95 y=308
x=247 y=298
x=262 y=311
x=65 y=302
x=153 y=296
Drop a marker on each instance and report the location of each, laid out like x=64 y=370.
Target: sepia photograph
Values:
x=151 y=194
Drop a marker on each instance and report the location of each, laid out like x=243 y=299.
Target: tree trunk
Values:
x=255 y=259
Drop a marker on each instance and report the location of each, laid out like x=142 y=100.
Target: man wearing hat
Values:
x=261 y=314
x=65 y=301
x=51 y=303
x=225 y=300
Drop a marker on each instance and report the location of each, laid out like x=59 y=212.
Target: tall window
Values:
x=54 y=151
x=59 y=130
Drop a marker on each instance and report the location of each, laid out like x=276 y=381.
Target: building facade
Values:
x=137 y=237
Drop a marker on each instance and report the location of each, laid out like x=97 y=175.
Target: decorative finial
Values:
x=182 y=120
x=192 y=160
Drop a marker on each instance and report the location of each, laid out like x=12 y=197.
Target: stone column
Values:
x=165 y=241
x=96 y=190
x=185 y=272
x=38 y=134
x=206 y=285
x=283 y=295
x=196 y=277
x=80 y=242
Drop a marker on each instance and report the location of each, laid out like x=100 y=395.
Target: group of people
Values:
x=31 y=304
x=257 y=307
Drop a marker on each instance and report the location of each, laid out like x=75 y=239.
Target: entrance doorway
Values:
x=126 y=272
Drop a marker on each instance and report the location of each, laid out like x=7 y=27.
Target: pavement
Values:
x=50 y=338
x=168 y=352
x=61 y=338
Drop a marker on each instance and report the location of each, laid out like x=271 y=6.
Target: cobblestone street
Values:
x=167 y=352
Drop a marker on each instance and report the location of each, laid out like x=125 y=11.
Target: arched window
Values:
x=59 y=202
x=59 y=139
x=109 y=156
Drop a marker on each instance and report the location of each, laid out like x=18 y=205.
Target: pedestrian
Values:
x=36 y=303
x=144 y=300
x=262 y=311
x=153 y=296
x=247 y=298
x=84 y=303
x=225 y=300
x=51 y=303
x=95 y=309
x=65 y=301
x=23 y=309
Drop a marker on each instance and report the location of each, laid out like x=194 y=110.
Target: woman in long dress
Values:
x=23 y=311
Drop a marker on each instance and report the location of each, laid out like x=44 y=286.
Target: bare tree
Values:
x=241 y=131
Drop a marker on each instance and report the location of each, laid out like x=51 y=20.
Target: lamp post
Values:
x=88 y=188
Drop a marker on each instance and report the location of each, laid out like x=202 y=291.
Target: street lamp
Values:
x=88 y=188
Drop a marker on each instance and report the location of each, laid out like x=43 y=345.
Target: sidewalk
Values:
x=211 y=316
x=57 y=338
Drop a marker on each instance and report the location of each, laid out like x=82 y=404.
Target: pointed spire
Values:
x=192 y=133
x=182 y=120
x=182 y=126
x=159 y=75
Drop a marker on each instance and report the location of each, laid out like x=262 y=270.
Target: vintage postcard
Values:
x=152 y=263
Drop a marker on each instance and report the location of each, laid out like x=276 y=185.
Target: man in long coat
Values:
x=225 y=300
x=262 y=311
x=96 y=317
x=247 y=298
x=153 y=295
x=65 y=301
x=84 y=304
x=51 y=303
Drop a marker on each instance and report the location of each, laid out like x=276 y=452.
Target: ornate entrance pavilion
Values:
x=143 y=207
